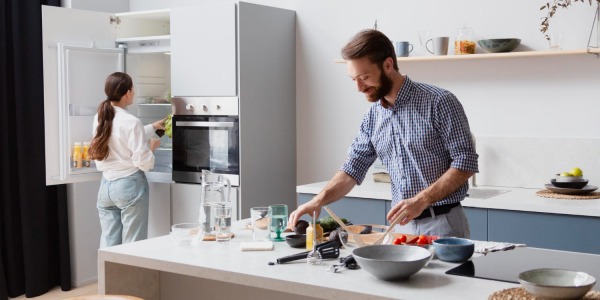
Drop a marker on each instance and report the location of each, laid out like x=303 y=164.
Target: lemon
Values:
x=566 y=174
x=576 y=172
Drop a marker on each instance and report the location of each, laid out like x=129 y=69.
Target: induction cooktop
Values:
x=506 y=265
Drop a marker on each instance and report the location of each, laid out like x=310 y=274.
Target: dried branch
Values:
x=551 y=7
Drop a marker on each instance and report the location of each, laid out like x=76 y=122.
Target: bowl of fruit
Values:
x=575 y=175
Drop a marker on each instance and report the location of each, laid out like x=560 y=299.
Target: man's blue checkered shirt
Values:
x=418 y=139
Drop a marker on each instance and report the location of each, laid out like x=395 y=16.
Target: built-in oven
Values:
x=205 y=136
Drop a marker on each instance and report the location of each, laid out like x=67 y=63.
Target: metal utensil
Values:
x=346 y=262
x=396 y=221
x=327 y=250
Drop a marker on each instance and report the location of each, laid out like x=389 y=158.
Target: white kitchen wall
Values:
x=552 y=97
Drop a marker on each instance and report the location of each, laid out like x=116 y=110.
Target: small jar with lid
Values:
x=465 y=41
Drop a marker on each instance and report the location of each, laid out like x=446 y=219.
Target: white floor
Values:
x=57 y=294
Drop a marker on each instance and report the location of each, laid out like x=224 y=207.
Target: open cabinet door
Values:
x=77 y=60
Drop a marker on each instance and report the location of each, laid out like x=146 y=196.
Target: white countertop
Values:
x=227 y=263
x=519 y=199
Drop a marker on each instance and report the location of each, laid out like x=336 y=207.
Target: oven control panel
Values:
x=214 y=106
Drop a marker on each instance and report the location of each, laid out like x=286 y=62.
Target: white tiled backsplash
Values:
x=531 y=162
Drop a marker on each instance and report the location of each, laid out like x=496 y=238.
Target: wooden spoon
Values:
x=396 y=221
x=342 y=224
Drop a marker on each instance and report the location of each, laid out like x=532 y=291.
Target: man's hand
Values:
x=412 y=207
x=338 y=187
x=305 y=209
x=444 y=186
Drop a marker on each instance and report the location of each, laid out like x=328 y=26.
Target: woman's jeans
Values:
x=123 y=209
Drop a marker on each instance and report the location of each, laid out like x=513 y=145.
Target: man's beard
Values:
x=385 y=86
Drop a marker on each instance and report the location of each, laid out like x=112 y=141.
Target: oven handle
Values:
x=203 y=124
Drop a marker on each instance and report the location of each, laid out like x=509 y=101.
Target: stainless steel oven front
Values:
x=205 y=136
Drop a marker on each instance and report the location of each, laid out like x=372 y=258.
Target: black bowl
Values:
x=296 y=240
x=569 y=185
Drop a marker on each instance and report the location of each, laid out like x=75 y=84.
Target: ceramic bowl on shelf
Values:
x=569 y=185
x=499 y=45
x=557 y=283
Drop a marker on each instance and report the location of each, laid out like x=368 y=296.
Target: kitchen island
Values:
x=158 y=268
x=515 y=215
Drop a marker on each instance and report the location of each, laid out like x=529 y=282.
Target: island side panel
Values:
x=128 y=280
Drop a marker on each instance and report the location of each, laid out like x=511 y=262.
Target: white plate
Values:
x=584 y=190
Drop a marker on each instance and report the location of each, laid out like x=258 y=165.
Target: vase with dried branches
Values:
x=553 y=6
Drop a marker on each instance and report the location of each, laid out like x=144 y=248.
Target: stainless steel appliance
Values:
x=205 y=137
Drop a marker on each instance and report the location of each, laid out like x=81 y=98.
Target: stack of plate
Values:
x=570 y=185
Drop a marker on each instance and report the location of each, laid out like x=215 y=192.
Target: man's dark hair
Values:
x=373 y=45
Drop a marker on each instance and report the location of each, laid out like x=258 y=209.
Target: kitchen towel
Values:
x=485 y=247
x=256 y=246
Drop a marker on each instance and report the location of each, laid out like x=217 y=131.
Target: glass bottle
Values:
x=465 y=41
x=77 y=155
x=86 y=155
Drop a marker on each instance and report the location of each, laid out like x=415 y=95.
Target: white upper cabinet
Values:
x=203 y=48
x=143 y=31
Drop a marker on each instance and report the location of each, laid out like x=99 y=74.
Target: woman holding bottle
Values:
x=123 y=150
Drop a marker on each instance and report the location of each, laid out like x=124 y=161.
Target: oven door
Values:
x=205 y=143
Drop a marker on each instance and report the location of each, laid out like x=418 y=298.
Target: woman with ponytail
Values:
x=123 y=151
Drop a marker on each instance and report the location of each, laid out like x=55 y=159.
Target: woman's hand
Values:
x=160 y=124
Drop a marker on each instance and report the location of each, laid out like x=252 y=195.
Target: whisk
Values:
x=314 y=257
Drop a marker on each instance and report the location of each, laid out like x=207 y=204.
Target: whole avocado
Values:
x=300 y=227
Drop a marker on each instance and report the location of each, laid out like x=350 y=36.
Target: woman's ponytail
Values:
x=116 y=86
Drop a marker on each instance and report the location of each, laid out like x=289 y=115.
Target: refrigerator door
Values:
x=81 y=75
x=77 y=60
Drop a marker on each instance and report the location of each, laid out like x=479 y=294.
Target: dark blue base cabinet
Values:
x=540 y=230
x=356 y=210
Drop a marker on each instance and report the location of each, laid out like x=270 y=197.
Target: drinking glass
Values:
x=555 y=42
x=279 y=215
x=223 y=222
x=260 y=223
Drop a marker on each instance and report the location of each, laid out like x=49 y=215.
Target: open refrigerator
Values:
x=77 y=60
x=80 y=49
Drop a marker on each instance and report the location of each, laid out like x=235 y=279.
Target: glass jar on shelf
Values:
x=465 y=41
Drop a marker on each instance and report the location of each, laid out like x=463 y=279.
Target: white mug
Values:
x=440 y=45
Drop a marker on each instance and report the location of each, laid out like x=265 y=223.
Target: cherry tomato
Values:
x=400 y=240
x=422 y=240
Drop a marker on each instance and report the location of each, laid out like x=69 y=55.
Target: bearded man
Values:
x=421 y=134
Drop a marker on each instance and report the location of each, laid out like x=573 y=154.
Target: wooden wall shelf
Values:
x=594 y=51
